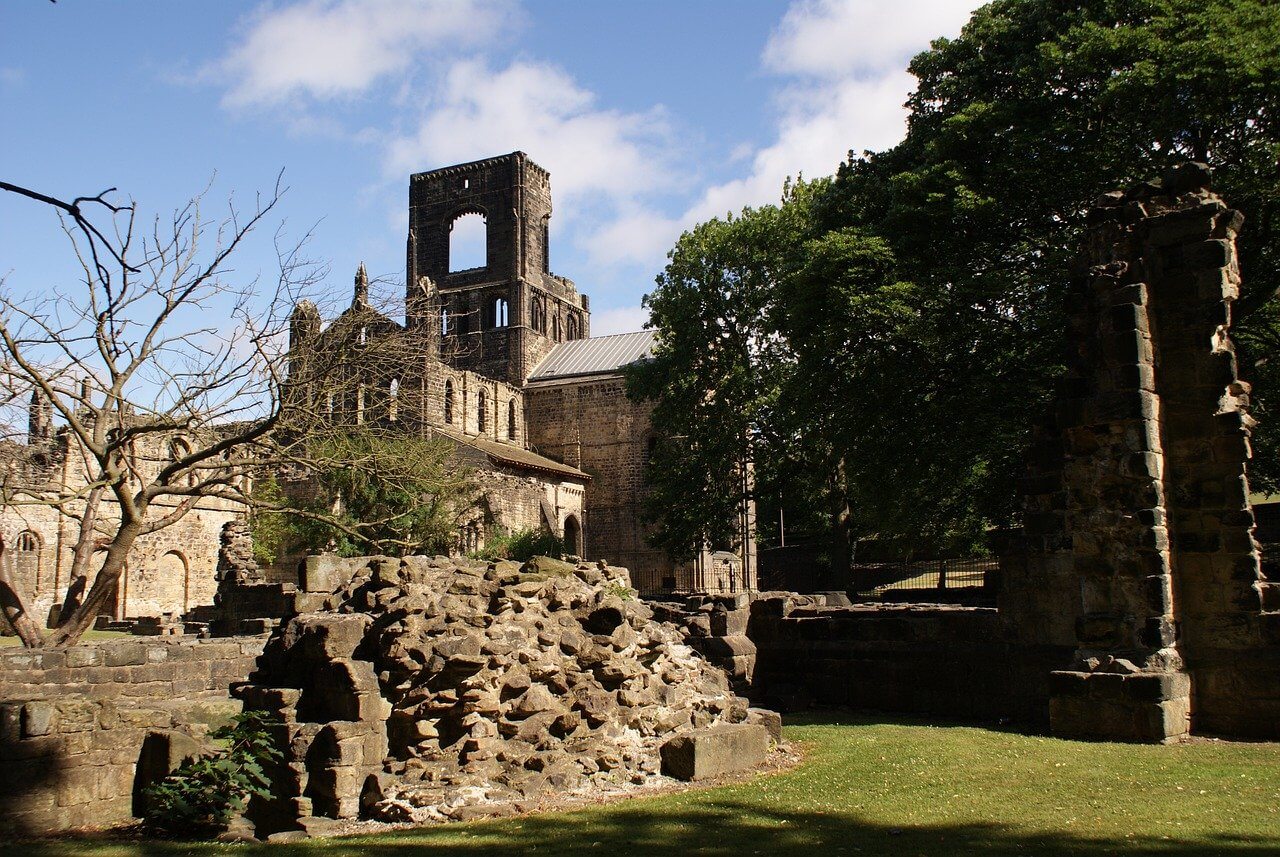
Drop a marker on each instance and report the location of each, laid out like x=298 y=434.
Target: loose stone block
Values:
x=713 y=752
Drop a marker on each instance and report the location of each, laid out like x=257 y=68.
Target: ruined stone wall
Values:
x=169 y=571
x=1138 y=546
x=941 y=660
x=73 y=722
x=155 y=668
x=592 y=425
x=70 y=762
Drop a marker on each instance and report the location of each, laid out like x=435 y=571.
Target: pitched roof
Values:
x=514 y=456
x=599 y=355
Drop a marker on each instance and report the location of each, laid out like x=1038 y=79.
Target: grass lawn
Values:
x=872 y=787
x=89 y=637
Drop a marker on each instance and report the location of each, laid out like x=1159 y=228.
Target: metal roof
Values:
x=596 y=356
x=514 y=456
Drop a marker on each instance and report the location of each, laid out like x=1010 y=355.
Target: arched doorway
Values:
x=572 y=536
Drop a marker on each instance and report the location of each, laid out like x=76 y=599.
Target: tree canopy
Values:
x=881 y=342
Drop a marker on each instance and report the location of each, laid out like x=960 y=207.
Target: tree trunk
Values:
x=81 y=557
x=15 y=611
x=70 y=633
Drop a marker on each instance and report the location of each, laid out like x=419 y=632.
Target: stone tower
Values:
x=502 y=318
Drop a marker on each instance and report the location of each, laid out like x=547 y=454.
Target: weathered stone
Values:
x=716 y=751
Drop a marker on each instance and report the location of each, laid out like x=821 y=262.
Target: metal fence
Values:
x=921 y=576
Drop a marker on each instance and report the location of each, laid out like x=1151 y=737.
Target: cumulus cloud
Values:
x=845 y=62
x=638 y=237
x=831 y=38
x=339 y=48
x=538 y=108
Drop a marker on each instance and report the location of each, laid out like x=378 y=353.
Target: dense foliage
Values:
x=881 y=343
x=522 y=545
x=204 y=794
x=367 y=492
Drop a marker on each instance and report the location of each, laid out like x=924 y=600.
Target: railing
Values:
x=918 y=579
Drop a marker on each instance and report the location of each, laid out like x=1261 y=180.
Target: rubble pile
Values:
x=433 y=688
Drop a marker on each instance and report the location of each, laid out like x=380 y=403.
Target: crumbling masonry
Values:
x=1139 y=534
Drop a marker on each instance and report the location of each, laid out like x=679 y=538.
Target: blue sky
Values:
x=651 y=116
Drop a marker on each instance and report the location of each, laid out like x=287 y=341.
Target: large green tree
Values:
x=911 y=307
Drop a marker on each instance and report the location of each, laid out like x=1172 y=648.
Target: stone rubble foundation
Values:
x=433 y=689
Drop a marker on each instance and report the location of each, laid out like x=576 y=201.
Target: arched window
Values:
x=393 y=399
x=364 y=334
x=511 y=419
x=359 y=404
x=480 y=411
x=555 y=328
x=500 y=312
x=328 y=407
x=26 y=562
x=444 y=322
x=571 y=325
x=448 y=402
x=536 y=319
x=468 y=242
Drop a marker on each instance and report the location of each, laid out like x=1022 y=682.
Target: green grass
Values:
x=89 y=637
x=871 y=787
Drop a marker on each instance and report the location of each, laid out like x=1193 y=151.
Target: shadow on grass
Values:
x=715 y=827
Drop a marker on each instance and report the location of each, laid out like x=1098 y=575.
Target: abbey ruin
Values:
x=1132 y=606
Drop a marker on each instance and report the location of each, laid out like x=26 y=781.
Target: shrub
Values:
x=204 y=794
x=522 y=545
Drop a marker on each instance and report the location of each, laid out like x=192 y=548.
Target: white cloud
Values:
x=339 y=48
x=850 y=58
x=538 y=108
x=639 y=237
x=618 y=320
x=833 y=38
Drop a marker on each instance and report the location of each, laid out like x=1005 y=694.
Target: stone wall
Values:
x=1138 y=547
x=70 y=762
x=940 y=660
x=74 y=722
x=151 y=668
x=169 y=571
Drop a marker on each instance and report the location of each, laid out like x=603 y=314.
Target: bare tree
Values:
x=165 y=374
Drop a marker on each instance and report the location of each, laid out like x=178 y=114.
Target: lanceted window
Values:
x=26 y=560
x=571 y=325
x=448 y=402
x=359 y=404
x=537 y=320
x=555 y=328
x=511 y=419
x=480 y=411
x=393 y=399
x=500 y=312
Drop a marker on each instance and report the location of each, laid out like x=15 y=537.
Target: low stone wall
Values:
x=73 y=722
x=160 y=668
x=941 y=660
x=70 y=762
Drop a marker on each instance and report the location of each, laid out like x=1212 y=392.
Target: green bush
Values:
x=204 y=794
x=522 y=545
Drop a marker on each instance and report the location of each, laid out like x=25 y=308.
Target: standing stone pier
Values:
x=1138 y=529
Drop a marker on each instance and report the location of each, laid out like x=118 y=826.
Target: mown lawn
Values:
x=871 y=787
